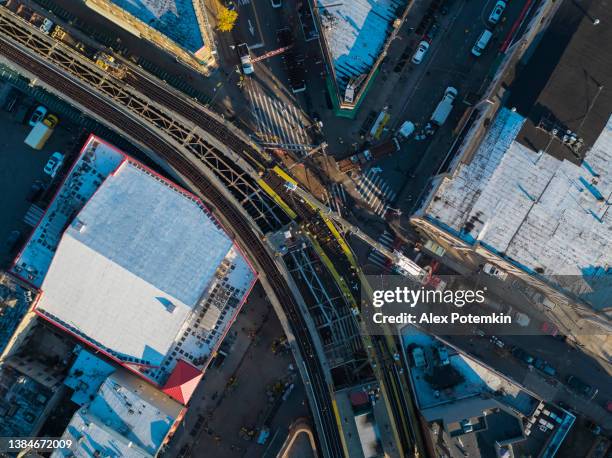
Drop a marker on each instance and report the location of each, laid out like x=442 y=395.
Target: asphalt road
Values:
x=449 y=63
x=267 y=105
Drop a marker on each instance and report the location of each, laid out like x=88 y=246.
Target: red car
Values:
x=550 y=329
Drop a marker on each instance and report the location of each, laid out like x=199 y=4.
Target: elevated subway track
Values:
x=238 y=226
x=211 y=148
x=177 y=102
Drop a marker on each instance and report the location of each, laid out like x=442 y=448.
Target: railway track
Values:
x=238 y=229
x=176 y=101
x=229 y=165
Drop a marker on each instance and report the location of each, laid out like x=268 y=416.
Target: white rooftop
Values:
x=138 y=268
x=547 y=216
x=133 y=264
x=127 y=418
x=355 y=32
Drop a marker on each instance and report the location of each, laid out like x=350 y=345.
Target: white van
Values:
x=482 y=42
x=406 y=129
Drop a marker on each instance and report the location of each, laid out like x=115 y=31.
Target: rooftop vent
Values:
x=78 y=225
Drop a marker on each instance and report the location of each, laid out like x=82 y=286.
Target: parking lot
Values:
x=21 y=167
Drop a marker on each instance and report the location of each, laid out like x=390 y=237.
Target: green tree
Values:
x=226 y=20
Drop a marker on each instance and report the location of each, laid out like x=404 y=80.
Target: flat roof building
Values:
x=544 y=215
x=136 y=266
x=353 y=39
x=529 y=188
x=125 y=416
x=469 y=406
x=180 y=27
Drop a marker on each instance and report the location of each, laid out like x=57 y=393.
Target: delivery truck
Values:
x=39 y=135
x=444 y=107
x=356 y=161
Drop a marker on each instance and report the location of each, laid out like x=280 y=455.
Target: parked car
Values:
x=35 y=191
x=542 y=365
x=245 y=59
x=497 y=12
x=581 y=387
x=12 y=99
x=433 y=31
x=593 y=427
x=420 y=52
x=443 y=356
x=406 y=129
x=482 y=42
x=521 y=354
x=53 y=164
x=490 y=269
x=38 y=114
x=497 y=341
x=51 y=121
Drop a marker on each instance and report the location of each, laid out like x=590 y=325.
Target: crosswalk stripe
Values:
x=370 y=190
x=301 y=131
x=275 y=119
x=378 y=262
x=379 y=206
x=368 y=186
x=386 y=239
x=267 y=114
x=288 y=130
x=263 y=114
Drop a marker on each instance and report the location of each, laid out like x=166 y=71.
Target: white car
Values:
x=420 y=52
x=276 y=3
x=490 y=269
x=53 y=164
x=245 y=59
x=47 y=26
x=497 y=12
x=38 y=115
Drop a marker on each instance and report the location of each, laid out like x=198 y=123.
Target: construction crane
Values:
x=272 y=53
x=331 y=5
